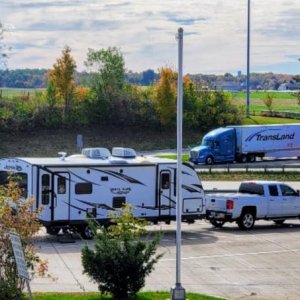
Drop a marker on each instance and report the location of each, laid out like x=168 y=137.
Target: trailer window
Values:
x=165 y=181
x=118 y=202
x=83 y=188
x=251 y=188
x=19 y=178
x=61 y=185
x=45 y=189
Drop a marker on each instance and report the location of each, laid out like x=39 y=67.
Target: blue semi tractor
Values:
x=246 y=143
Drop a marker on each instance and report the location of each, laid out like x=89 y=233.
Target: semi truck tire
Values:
x=209 y=160
x=251 y=158
x=246 y=220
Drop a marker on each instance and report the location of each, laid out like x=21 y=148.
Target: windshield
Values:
x=210 y=143
x=19 y=178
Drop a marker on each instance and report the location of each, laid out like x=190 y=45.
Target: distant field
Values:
x=12 y=92
x=283 y=101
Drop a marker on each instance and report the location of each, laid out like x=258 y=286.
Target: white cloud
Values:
x=214 y=40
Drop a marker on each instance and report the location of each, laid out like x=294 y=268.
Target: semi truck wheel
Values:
x=251 y=158
x=209 y=160
x=243 y=158
x=247 y=220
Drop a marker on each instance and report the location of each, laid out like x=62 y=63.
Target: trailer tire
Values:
x=279 y=222
x=247 y=220
x=251 y=158
x=86 y=232
x=243 y=158
x=52 y=230
x=209 y=160
x=217 y=223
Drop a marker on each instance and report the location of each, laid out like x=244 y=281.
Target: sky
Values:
x=214 y=41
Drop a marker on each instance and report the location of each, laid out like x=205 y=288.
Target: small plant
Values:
x=268 y=101
x=16 y=216
x=123 y=256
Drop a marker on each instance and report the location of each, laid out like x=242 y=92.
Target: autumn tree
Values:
x=16 y=215
x=268 y=101
x=165 y=96
x=62 y=76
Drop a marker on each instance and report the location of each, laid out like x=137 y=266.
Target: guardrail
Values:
x=248 y=168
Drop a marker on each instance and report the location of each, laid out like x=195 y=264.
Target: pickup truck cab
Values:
x=266 y=200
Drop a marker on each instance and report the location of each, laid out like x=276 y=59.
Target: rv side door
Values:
x=61 y=196
x=45 y=195
x=165 y=202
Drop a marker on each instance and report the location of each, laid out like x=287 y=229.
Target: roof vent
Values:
x=101 y=153
x=123 y=152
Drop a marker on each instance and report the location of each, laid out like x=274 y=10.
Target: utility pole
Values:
x=178 y=292
x=248 y=61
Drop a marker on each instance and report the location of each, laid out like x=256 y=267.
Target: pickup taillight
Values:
x=229 y=204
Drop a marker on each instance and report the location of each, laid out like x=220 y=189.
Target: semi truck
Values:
x=246 y=143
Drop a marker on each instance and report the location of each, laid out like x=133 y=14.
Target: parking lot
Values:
x=263 y=263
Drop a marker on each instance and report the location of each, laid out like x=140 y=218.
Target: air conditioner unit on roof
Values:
x=101 y=153
x=123 y=152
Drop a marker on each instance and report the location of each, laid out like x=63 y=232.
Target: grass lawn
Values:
x=281 y=101
x=96 y=296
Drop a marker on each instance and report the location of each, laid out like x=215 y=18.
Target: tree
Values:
x=62 y=76
x=268 y=101
x=16 y=216
x=107 y=68
x=122 y=257
x=165 y=96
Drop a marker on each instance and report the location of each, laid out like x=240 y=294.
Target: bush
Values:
x=16 y=216
x=122 y=258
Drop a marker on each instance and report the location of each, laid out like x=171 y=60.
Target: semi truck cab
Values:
x=216 y=146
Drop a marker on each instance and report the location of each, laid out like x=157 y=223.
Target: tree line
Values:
x=107 y=98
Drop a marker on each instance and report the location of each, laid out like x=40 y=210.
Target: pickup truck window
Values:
x=251 y=188
x=287 y=191
x=273 y=191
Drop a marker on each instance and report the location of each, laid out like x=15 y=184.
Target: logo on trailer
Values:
x=121 y=191
x=13 y=168
x=263 y=136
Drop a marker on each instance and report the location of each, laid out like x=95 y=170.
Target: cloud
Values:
x=214 y=32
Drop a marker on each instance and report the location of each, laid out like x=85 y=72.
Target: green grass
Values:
x=281 y=101
x=14 y=92
x=260 y=120
x=96 y=296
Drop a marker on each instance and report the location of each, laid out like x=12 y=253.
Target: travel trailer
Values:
x=72 y=189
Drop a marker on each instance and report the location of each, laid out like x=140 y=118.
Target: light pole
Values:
x=178 y=292
x=248 y=61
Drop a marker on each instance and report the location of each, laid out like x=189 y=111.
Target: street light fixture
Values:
x=248 y=61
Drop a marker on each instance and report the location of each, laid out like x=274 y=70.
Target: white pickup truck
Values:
x=266 y=200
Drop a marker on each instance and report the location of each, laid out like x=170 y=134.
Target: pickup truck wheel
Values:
x=209 y=160
x=246 y=220
x=217 y=223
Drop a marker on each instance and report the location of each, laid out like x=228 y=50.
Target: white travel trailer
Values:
x=73 y=188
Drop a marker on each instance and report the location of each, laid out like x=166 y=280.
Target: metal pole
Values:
x=248 y=62
x=178 y=292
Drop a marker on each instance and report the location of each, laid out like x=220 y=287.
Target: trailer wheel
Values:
x=247 y=220
x=209 y=160
x=279 y=222
x=243 y=158
x=86 y=232
x=52 y=230
x=217 y=223
x=251 y=158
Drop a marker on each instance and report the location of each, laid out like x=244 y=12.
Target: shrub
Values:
x=16 y=216
x=122 y=258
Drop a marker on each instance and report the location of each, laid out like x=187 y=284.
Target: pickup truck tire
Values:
x=217 y=223
x=247 y=220
x=209 y=160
